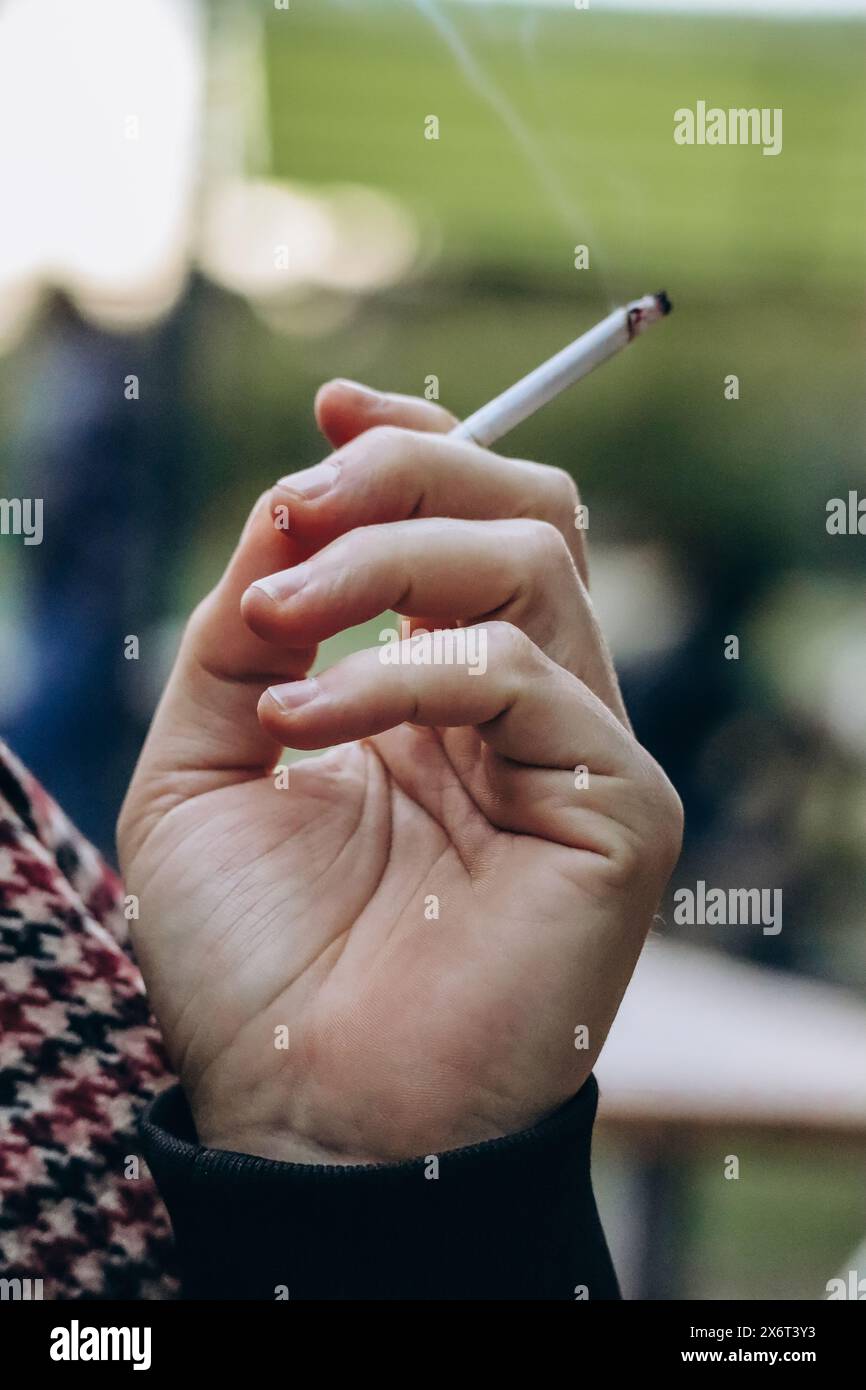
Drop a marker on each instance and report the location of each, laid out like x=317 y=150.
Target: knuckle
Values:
x=674 y=822
x=334 y=571
x=555 y=486
x=665 y=814
x=337 y=554
x=509 y=645
x=628 y=858
x=382 y=443
x=547 y=542
x=559 y=495
x=644 y=856
x=564 y=503
x=564 y=489
x=648 y=836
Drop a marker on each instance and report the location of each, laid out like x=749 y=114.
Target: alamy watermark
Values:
x=20 y=1290
x=738 y=125
x=729 y=907
x=22 y=516
x=853 y=1288
x=846 y=516
x=77 y=1343
x=457 y=646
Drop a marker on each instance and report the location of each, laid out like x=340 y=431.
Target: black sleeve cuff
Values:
x=514 y=1218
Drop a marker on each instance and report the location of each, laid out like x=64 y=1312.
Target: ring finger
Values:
x=452 y=572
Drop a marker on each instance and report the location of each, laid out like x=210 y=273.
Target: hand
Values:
x=313 y=908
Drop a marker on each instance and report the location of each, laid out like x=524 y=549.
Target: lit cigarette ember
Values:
x=577 y=360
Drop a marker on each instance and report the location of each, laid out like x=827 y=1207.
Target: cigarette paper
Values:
x=577 y=360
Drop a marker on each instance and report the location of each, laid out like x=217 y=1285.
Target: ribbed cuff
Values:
x=513 y=1218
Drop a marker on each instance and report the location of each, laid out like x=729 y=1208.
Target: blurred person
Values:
x=114 y=467
x=376 y=1099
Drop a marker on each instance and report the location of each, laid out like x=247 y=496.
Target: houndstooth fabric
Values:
x=79 y=1058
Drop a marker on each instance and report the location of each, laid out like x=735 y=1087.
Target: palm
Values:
x=380 y=929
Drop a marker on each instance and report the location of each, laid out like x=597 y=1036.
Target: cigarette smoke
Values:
x=568 y=212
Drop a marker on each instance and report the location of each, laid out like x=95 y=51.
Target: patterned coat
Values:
x=79 y=1058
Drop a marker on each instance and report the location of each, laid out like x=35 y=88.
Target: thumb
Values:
x=345 y=409
x=206 y=733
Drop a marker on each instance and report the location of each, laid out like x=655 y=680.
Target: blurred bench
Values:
x=707 y=1049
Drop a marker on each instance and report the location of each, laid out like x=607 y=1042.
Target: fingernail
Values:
x=358 y=389
x=296 y=693
x=311 y=482
x=283 y=584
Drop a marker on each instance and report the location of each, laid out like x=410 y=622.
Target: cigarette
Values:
x=577 y=360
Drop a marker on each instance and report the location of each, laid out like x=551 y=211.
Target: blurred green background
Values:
x=707 y=515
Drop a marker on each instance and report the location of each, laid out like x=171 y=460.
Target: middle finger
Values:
x=392 y=474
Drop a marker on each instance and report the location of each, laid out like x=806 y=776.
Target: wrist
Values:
x=345 y=1147
x=286 y=1147
x=379 y=1130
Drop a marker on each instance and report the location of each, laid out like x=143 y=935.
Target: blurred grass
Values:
x=597 y=93
x=790 y=1222
x=787 y=1225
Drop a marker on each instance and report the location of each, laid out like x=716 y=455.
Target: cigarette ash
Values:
x=643 y=312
